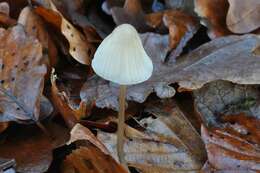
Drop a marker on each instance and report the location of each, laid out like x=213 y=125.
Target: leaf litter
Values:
x=220 y=78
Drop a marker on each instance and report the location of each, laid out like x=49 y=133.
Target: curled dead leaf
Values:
x=35 y=27
x=32 y=149
x=22 y=77
x=79 y=132
x=5 y=19
x=79 y=47
x=213 y=15
x=131 y=13
x=90 y=159
x=243 y=16
x=219 y=98
x=229 y=152
x=60 y=99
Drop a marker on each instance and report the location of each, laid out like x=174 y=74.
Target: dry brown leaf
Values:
x=90 y=159
x=79 y=47
x=34 y=26
x=243 y=16
x=170 y=114
x=219 y=59
x=131 y=13
x=229 y=152
x=155 y=150
x=222 y=98
x=181 y=27
x=79 y=132
x=5 y=19
x=243 y=126
x=208 y=168
x=213 y=15
x=31 y=148
x=185 y=5
x=60 y=99
x=22 y=77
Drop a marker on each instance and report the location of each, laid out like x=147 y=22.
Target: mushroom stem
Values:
x=121 y=126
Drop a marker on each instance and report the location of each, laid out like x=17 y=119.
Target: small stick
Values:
x=121 y=126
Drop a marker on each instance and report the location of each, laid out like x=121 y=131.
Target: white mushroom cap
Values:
x=121 y=58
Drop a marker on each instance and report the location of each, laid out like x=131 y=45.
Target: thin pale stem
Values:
x=121 y=126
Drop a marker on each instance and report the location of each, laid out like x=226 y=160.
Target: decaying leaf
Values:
x=5 y=19
x=90 y=159
x=208 y=168
x=22 y=77
x=79 y=47
x=222 y=98
x=184 y=5
x=213 y=15
x=243 y=16
x=90 y=156
x=244 y=126
x=152 y=151
x=170 y=114
x=131 y=13
x=35 y=27
x=229 y=152
x=79 y=132
x=219 y=59
x=168 y=144
x=31 y=148
x=71 y=114
x=181 y=27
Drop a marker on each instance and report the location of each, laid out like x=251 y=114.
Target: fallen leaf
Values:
x=207 y=168
x=90 y=159
x=75 y=12
x=22 y=77
x=5 y=19
x=145 y=151
x=213 y=15
x=167 y=142
x=131 y=13
x=170 y=114
x=61 y=100
x=222 y=98
x=79 y=132
x=79 y=47
x=243 y=16
x=243 y=126
x=184 y=5
x=220 y=59
x=229 y=152
x=31 y=148
x=34 y=26
x=182 y=27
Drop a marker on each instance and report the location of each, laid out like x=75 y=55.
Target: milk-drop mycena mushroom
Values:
x=121 y=59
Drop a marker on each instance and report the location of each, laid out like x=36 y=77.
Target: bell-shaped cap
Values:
x=121 y=58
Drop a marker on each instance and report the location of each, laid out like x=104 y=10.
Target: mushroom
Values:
x=121 y=59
